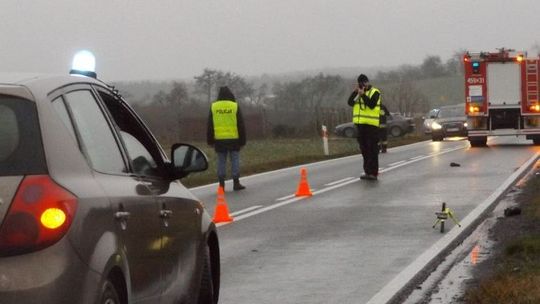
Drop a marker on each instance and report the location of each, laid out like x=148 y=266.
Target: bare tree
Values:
x=207 y=81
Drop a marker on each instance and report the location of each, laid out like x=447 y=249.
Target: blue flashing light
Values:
x=84 y=63
x=475 y=67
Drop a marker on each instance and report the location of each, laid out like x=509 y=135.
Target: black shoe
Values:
x=222 y=183
x=237 y=186
x=371 y=177
x=368 y=177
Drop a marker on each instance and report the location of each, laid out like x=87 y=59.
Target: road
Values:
x=351 y=238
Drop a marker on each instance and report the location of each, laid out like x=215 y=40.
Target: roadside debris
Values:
x=511 y=211
x=452 y=164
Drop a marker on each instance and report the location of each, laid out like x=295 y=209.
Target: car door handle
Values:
x=121 y=215
x=165 y=213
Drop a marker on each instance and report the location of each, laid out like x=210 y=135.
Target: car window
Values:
x=142 y=151
x=96 y=138
x=21 y=148
x=61 y=109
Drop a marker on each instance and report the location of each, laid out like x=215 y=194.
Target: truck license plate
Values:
x=452 y=129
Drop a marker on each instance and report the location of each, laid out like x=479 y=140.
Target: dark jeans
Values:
x=368 y=140
x=222 y=163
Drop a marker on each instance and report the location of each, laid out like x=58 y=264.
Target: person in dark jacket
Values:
x=366 y=103
x=383 y=130
x=226 y=133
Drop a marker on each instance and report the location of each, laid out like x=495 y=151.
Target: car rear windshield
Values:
x=451 y=112
x=21 y=149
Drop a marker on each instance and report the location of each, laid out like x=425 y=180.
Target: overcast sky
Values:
x=165 y=39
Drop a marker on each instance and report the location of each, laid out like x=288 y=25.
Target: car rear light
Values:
x=39 y=216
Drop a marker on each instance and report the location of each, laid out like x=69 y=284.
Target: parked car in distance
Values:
x=91 y=209
x=428 y=120
x=397 y=125
x=450 y=121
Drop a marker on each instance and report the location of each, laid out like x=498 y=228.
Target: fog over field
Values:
x=175 y=39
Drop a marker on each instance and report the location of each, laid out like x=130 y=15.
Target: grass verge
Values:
x=513 y=274
x=272 y=154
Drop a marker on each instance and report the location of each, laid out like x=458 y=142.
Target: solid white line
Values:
x=245 y=210
x=338 y=181
x=396 y=163
x=396 y=149
x=398 y=283
x=295 y=199
x=416 y=157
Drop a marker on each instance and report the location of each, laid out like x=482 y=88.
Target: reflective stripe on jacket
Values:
x=224 y=118
x=362 y=114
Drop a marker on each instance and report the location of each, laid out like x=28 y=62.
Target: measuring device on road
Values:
x=444 y=215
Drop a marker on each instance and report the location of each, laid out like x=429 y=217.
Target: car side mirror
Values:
x=187 y=159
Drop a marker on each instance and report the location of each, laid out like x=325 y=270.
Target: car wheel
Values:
x=109 y=295
x=396 y=131
x=437 y=138
x=349 y=132
x=206 y=291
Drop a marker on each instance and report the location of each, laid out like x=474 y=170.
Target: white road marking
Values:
x=396 y=149
x=338 y=181
x=417 y=157
x=285 y=198
x=295 y=199
x=397 y=163
x=245 y=210
x=290 y=196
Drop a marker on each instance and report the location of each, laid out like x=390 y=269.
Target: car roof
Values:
x=32 y=85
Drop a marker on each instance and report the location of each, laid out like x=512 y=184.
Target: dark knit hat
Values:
x=362 y=78
x=225 y=94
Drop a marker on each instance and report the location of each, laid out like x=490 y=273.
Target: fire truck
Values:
x=501 y=95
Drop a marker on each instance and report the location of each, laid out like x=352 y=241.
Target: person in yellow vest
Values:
x=366 y=103
x=226 y=133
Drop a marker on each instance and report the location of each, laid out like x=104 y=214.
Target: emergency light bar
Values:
x=84 y=64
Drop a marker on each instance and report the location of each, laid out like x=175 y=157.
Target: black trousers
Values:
x=368 y=140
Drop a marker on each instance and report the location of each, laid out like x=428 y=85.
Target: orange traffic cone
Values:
x=221 y=213
x=303 y=186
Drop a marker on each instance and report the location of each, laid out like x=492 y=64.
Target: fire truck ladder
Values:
x=531 y=77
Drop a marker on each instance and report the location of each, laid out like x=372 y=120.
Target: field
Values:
x=271 y=154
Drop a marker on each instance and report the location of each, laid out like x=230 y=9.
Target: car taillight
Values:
x=39 y=216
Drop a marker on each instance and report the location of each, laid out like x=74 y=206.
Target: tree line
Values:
x=296 y=105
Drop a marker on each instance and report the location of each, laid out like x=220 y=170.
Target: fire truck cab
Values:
x=501 y=95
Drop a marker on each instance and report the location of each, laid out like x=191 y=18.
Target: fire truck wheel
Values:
x=478 y=142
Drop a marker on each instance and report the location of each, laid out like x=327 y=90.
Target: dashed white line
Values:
x=245 y=210
x=285 y=198
x=397 y=163
x=291 y=198
x=339 y=181
x=417 y=157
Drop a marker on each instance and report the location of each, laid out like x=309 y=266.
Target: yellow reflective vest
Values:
x=362 y=114
x=224 y=119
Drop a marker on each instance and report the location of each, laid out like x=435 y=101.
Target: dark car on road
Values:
x=448 y=122
x=397 y=125
x=91 y=209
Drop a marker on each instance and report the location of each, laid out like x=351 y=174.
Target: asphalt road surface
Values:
x=352 y=237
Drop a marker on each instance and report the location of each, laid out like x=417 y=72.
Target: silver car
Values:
x=91 y=209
